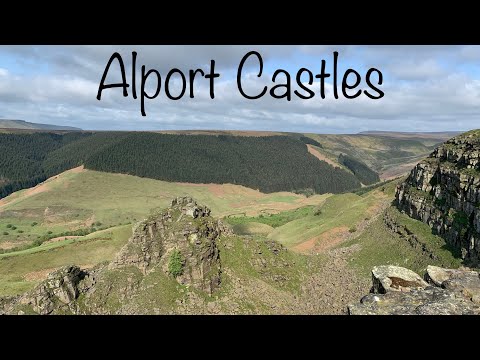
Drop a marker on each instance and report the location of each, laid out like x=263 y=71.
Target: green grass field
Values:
x=22 y=270
x=273 y=220
x=339 y=211
x=83 y=199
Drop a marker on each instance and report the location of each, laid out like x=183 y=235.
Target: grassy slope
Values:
x=293 y=227
x=380 y=247
x=76 y=199
x=344 y=210
x=110 y=233
x=21 y=272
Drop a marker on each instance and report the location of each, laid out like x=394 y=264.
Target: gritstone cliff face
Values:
x=444 y=192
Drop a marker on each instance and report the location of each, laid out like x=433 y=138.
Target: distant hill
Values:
x=25 y=125
x=390 y=154
x=270 y=162
x=439 y=135
x=267 y=163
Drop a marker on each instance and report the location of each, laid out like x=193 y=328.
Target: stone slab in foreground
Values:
x=449 y=292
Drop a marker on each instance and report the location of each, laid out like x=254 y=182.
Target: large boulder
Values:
x=452 y=292
x=436 y=275
x=395 y=278
x=428 y=301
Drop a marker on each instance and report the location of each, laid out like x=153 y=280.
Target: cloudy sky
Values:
x=427 y=88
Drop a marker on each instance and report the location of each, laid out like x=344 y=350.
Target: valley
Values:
x=275 y=252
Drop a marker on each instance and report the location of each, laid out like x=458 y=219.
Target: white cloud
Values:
x=411 y=70
x=424 y=90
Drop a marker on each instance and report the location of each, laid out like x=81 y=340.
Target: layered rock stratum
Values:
x=444 y=192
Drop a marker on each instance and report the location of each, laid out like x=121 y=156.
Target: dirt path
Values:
x=60 y=238
x=323 y=242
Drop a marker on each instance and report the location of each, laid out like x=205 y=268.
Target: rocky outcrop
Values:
x=180 y=241
x=446 y=292
x=184 y=229
x=444 y=192
x=57 y=293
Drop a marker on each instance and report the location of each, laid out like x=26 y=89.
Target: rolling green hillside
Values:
x=91 y=200
x=310 y=227
x=316 y=225
x=84 y=199
x=290 y=253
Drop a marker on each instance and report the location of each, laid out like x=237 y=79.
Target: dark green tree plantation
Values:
x=362 y=172
x=22 y=158
x=268 y=163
